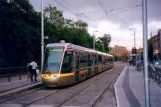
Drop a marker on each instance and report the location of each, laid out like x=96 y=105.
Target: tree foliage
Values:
x=103 y=43
x=20 y=32
x=54 y=16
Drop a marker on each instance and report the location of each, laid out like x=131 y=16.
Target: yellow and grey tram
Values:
x=66 y=64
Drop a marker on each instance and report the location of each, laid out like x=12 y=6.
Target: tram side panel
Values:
x=99 y=63
x=67 y=73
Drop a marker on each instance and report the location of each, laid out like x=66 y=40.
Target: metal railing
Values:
x=155 y=73
x=12 y=72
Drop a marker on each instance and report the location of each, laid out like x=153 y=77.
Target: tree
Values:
x=54 y=16
x=80 y=24
x=106 y=39
x=20 y=32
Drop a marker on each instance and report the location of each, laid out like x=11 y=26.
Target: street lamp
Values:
x=134 y=46
x=134 y=37
x=42 y=34
x=94 y=40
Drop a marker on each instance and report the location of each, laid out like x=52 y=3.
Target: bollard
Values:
x=20 y=74
x=9 y=79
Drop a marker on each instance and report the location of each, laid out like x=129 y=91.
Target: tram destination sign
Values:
x=55 y=49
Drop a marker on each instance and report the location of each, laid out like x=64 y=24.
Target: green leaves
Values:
x=103 y=43
x=20 y=35
x=54 y=16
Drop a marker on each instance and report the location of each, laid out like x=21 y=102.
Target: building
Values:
x=155 y=41
x=118 y=50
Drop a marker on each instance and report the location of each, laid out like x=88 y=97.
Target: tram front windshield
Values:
x=53 y=58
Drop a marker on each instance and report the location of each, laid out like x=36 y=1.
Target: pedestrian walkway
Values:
x=129 y=89
x=7 y=88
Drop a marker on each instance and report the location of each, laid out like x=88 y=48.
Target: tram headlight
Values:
x=50 y=75
x=56 y=75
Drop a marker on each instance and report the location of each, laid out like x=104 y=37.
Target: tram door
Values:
x=103 y=64
x=77 y=66
x=89 y=65
x=95 y=64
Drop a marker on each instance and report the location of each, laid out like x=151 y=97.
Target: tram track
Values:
x=97 y=99
x=108 y=87
x=63 y=102
x=40 y=98
x=16 y=95
x=46 y=93
x=81 y=90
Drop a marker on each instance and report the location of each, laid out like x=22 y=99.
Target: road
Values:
x=97 y=91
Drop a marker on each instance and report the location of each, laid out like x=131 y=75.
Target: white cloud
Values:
x=119 y=29
x=124 y=37
x=119 y=36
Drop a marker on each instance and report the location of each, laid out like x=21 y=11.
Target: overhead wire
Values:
x=127 y=9
x=67 y=9
x=79 y=13
x=105 y=11
x=111 y=10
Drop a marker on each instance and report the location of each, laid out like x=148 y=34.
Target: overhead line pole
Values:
x=42 y=34
x=145 y=54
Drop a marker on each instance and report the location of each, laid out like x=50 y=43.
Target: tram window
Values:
x=83 y=60
x=67 y=64
x=105 y=60
x=53 y=59
x=94 y=60
x=100 y=59
x=112 y=59
x=77 y=62
x=89 y=60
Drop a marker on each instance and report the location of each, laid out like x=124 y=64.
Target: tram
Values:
x=66 y=64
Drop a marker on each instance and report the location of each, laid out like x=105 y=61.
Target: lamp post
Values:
x=42 y=34
x=145 y=53
x=134 y=47
x=94 y=40
x=134 y=37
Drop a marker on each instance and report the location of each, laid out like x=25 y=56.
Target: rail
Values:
x=12 y=72
x=155 y=73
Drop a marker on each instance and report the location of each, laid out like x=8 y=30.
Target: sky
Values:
x=121 y=16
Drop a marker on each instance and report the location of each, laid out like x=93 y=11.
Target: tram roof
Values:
x=77 y=47
x=58 y=44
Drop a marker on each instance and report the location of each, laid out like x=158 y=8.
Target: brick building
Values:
x=118 y=50
x=156 y=42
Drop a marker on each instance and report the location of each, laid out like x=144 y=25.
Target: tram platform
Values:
x=7 y=88
x=129 y=89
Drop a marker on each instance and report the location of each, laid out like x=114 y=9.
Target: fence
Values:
x=155 y=73
x=13 y=71
x=9 y=73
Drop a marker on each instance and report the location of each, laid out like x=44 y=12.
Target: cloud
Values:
x=117 y=22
